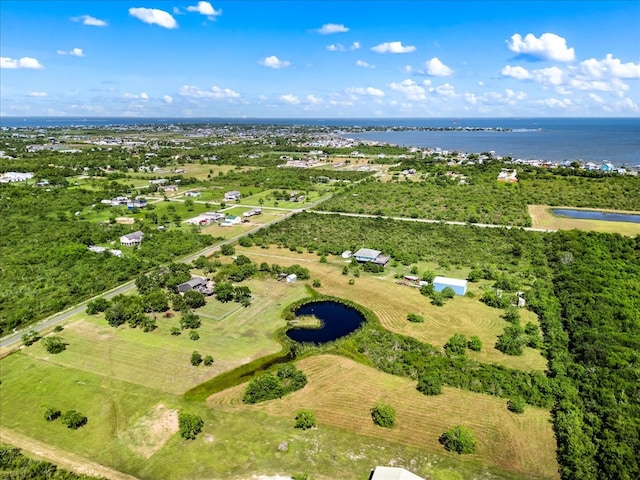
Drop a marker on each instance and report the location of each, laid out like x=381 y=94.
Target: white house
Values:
x=131 y=239
x=230 y=221
x=192 y=193
x=232 y=195
x=251 y=213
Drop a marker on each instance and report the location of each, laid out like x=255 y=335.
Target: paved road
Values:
x=59 y=317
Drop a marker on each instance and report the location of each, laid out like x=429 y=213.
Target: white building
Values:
x=131 y=239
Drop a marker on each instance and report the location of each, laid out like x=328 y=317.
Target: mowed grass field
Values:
x=232 y=334
x=341 y=393
x=392 y=303
x=541 y=217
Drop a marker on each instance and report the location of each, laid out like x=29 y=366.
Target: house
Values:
x=169 y=188
x=607 y=167
x=137 y=203
x=365 y=255
x=251 y=213
x=231 y=220
x=508 y=176
x=459 y=286
x=159 y=181
x=11 y=177
x=291 y=278
x=117 y=201
x=233 y=195
x=198 y=284
x=131 y=239
x=192 y=193
x=393 y=473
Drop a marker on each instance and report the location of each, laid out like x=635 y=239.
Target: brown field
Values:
x=151 y=432
x=392 y=303
x=541 y=217
x=519 y=443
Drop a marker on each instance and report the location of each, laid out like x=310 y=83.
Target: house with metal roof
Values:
x=459 y=286
x=393 y=473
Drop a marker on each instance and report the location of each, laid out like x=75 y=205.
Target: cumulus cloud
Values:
x=393 y=47
x=368 y=91
x=446 y=90
x=410 y=89
x=355 y=46
x=274 y=62
x=37 y=94
x=24 y=62
x=335 y=47
x=548 y=47
x=517 y=72
x=438 y=69
x=363 y=64
x=153 y=16
x=555 y=103
x=168 y=99
x=290 y=99
x=205 y=8
x=329 y=28
x=214 y=92
x=137 y=96
x=89 y=20
x=609 y=67
x=312 y=99
x=75 y=52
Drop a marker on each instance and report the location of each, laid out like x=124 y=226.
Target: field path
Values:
x=62 y=458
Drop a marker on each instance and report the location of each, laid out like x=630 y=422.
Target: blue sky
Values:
x=157 y=58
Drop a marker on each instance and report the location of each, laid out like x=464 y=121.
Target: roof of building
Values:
x=393 y=473
x=367 y=253
x=233 y=192
x=451 y=281
x=195 y=282
x=134 y=235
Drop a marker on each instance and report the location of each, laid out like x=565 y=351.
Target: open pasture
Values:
x=542 y=217
x=392 y=303
x=341 y=393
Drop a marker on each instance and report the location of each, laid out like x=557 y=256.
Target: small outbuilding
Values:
x=459 y=286
x=291 y=278
x=393 y=473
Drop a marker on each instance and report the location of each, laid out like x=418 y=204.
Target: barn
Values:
x=459 y=286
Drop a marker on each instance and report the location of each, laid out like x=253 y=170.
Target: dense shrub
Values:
x=73 y=419
x=383 y=414
x=305 y=420
x=459 y=439
x=190 y=425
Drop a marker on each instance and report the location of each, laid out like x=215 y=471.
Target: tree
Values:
x=227 y=249
x=448 y=292
x=30 y=338
x=73 y=419
x=54 y=344
x=459 y=439
x=98 y=305
x=194 y=299
x=196 y=359
x=189 y=204
x=316 y=283
x=512 y=316
x=155 y=301
x=512 y=340
x=178 y=303
x=115 y=315
x=430 y=384
x=50 y=413
x=263 y=387
x=194 y=335
x=415 y=318
x=475 y=344
x=175 y=331
x=224 y=291
x=428 y=276
x=456 y=345
x=190 y=425
x=516 y=405
x=208 y=360
x=383 y=414
x=190 y=320
x=305 y=419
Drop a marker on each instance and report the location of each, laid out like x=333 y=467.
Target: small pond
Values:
x=593 y=215
x=337 y=320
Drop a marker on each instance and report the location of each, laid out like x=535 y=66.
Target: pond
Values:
x=593 y=215
x=337 y=320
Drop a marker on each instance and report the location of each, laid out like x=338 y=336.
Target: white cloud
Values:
x=355 y=46
x=329 y=28
x=411 y=89
x=37 y=94
x=335 y=47
x=154 y=16
x=312 y=99
x=136 y=96
x=446 y=90
x=548 y=76
x=548 y=47
x=596 y=98
x=555 y=103
x=214 y=92
x=363 y=64
x=368 y=91
x=609 y=67
x=274 y=62
x=24 y=62
x=89 y=20
x=76 y=52
x=438 y=69
x=144 y=96
x=168 y=99
x=517 y=72
x=205 y=8
x=480 y=83
x=393 y=47
x=290 y=99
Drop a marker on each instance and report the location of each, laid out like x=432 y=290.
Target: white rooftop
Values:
x=451 y=281
x=393 y=473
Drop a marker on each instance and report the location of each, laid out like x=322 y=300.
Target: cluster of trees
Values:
x=458 y=344
x=197 y=358
x=514 y=337
x=305 y=420
x=14 y=465
x=268 y=386
x=71 y=419
x=190 y=425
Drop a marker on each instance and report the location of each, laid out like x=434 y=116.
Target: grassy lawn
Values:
x=229 y=232
x=541 y=217
x=521 y=443
x=392 y=303
x=269 y=201
x=201 y=172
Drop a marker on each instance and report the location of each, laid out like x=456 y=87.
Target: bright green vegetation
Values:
x=383 y=414
x=305 y=420
x=190 y=425
x=15 y=465
x=289 y=178
x=459 y=440
x=268 y=386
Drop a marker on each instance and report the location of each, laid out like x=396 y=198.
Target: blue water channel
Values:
x=593 y=215
x=337 y=320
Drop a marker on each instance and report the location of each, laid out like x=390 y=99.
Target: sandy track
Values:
x=63 y=459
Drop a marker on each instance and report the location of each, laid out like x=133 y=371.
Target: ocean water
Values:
x=616 y=140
